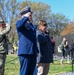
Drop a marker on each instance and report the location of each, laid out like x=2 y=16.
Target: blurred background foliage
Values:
x=9 y=12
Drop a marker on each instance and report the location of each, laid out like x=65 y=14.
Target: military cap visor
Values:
x=25 y=10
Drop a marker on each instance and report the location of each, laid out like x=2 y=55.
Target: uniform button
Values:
x=26 y=44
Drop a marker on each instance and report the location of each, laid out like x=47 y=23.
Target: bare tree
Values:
x=57 y=23
x=40 y=10
x=8 y=12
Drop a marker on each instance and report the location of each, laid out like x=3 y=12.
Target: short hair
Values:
x=42 y=22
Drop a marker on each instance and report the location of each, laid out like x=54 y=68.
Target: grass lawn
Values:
x=12 y=66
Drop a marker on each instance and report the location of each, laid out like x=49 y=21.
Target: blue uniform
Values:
x=27 y=49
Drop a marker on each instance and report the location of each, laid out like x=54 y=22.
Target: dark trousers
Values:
x=27 y=64
x=72 y=54
x=2 y=63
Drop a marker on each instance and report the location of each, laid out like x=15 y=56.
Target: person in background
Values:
x=27 y=48
x=72 y=49
x=15 y=47
x=53 y=44
x=4 y=30
x=44 y=47
x=65 y=50
x=62 y=49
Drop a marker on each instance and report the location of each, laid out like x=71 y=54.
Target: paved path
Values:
x=69 y=73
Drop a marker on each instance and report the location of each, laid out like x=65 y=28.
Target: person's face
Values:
x=2 y=25
x=64 y=39
x=30 y=16
x=43 y=28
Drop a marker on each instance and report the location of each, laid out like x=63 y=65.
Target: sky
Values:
x=65 y=7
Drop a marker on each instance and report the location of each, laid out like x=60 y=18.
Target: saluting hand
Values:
x=27 y=14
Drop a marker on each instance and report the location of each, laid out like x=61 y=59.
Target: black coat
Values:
x=45 y=47
x=72 y=47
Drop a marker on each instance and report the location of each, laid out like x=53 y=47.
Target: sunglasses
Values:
x=45 y=25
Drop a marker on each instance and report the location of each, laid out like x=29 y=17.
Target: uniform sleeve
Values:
x=5 y=30
x=21 y=22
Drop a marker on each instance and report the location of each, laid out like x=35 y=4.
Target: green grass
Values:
x=58 y=68
x=12 y=66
